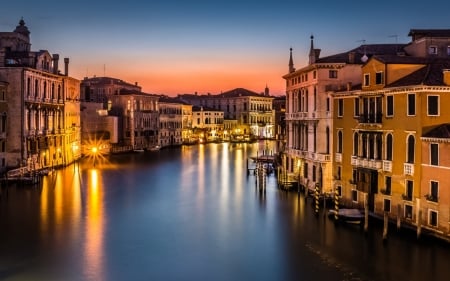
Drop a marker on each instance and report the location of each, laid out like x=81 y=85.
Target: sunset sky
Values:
x=175 y=47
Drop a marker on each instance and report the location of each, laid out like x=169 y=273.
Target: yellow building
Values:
x=378 y=128
x=309 y=117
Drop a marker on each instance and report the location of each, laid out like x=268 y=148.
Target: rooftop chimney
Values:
x=55 y=63
x=66 y=66
x=351 y=57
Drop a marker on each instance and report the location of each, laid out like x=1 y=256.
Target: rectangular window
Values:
x=408 y=212
x=434 y=154
x=314 y=173
x=338 y=173
x=333 y=74
x=354 y=195
x=434 y=191
x=388 y=184
x=328 y=104
x=339 y=190
x=433 y=218
x=305 y=171
x=340 y=107
x=387 y=205
x=356 y=107
x=433 y=105
x=433 y=50
x=366 y=80
x=409 y=190
x=379 y=78
x=390 y=106
x=411 y=104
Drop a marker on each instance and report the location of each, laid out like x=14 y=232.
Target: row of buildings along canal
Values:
x=367 y=124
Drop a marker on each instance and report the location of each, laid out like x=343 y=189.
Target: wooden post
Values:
x=419 y=224
x=316 y=193
x=366 y=212
x=385 y=226
x=336 y=204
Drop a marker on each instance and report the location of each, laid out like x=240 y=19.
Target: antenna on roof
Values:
x=394 y=36
x=364 y=58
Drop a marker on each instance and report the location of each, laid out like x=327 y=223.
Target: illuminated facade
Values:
x=43 y=118
x=138 y=120
x=309 y=119
x=253 y=112
x=170 y=122
x=208 y=124
x=383 y=144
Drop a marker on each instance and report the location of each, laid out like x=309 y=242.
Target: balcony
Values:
x=387 y=166
x=354 y=161
x=338 y=157
x=431 y=197
x=385 y=191
x=408 y=169
x=407 y=197
x=370 y=118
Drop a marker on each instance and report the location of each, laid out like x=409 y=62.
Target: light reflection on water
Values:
x=190 y=213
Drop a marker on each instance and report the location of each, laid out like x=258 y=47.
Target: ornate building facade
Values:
x=386 y=141
x=43 y=118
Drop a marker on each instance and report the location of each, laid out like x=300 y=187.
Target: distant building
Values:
x=253 y=112
x=43 y=118
x=138 y=119
x=170 y=121
x=207 y=124
x=98 y=89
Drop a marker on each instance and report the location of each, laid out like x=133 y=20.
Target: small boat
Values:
x=155 y=148
x=139 y=150
x=347 y=215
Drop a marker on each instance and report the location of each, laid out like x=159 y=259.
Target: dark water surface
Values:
x=192 y=213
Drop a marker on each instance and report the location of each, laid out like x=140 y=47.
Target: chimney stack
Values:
x=351 y=57
x=66 y=66
x=446 y=76
x=55 y=63
x=349 y=86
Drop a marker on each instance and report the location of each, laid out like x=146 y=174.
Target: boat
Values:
x=155 y=148
x=139 y=150
x=347 y=215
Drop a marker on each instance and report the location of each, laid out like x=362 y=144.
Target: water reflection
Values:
x=93 y=250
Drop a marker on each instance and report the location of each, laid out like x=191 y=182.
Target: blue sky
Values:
x=172 y=47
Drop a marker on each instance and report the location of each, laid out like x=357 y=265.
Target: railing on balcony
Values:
x=370 y=118
x=387 y=166
x=431 y=197
x=409 y=169
x=407 y=197
x=354 y=161
x=338 y=157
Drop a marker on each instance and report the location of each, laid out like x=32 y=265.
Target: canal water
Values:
x=192 y=213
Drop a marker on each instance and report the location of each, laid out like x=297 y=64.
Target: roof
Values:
x=419 y=33
x=369 y=50
x=241 y=92
x=204 y=108
x=439 y=131
x=430 y=75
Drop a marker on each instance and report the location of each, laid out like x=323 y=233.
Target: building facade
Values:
x=207 y=124
x=43 y=119
x=170 y=122
x=309 y=117
x=380 y=157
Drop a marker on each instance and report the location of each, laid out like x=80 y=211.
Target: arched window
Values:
x=411 y=144
x=339 y=144
x=355 y=144
x=389 y=147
